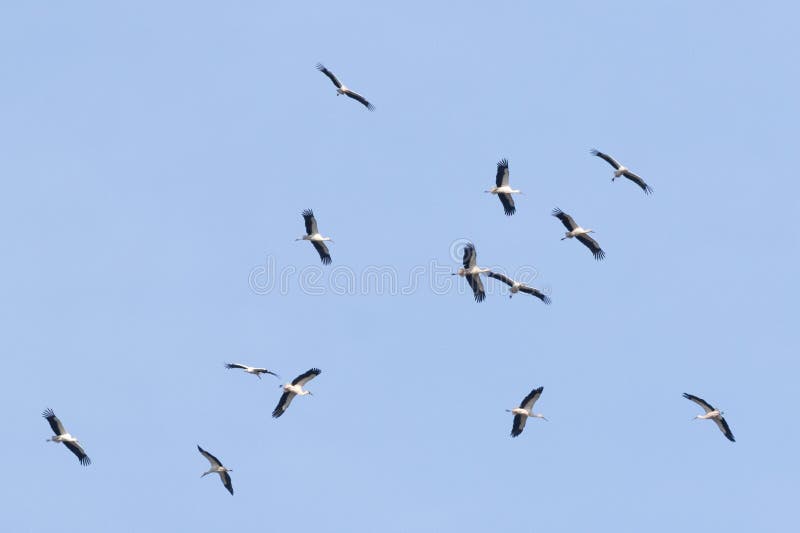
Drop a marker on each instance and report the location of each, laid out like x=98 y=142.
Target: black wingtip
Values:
x=599 y=255
x=47 y=413
x=546 y=299
x=479 y=297
x=307 y=213
x=510 y=211
x=85 y=461
x=320 y=66
x=326 y=260
x=556 y=212
x=503 y=163
x=277 y=413
x=595 y=151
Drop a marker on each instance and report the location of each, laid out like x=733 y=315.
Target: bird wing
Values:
x=283 y=403
x=723 y=427
x=508 y=203
x=707 y=407
x=211 y=459
x=610 y=160
x=501 y=180
x=355 y=96
x=311 y=222
x=226 y=480
x=530 y=399
x=518 y=425
x=505 y=279
x=565 y=219
x=306 y=376
x=323 y=252
x=330 y=75
x=476 y=284
x=590 y=243
x=75 y=448
x=469 y=255
x=638 y=181
x=54 y=422
x=265 y=371
x=235 y=365
x=535 y=292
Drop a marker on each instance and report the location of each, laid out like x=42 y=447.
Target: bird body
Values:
x=343 y=89
x=576 y=231
x=621 y=170
x=711 y=413
x=250 y=369
x=472 y=272
x=503 y=190
x=313 y=235
x=64 y=437
x=295 y=388
x=516 y=286
x=525 y=411
x=217 y=468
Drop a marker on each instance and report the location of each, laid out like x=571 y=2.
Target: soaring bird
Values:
x=623 y=171
x=295 y=388
x=217 y=468
x=525 y=411
x=312 y=234
x=63 y=436
x=516 y=287
x=713 y=414
x=472 y=272
x=251 y=370
x=502 y=189
x=342 y=89
x=579 y=233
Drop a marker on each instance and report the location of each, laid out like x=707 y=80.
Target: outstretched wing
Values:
x=610 y=160
x=55 y=423
x=226 y=480
x=592 y=245
x=528 y=401
x=469 y=255
x=211 y=459
x=235 y=365
x=476 y=284
x=535 y=292
x=565 y=219
x=505 y=279
x=508 y=203
x=638 y=181
x=501 y=180
x=75 y=448
x=518 y=425
x=330 y=75
x=723 y=426
x=306 y=376
x=323 y=252
x=355 y=96
x=311 y=222
x=283 y=404
x=707 y=407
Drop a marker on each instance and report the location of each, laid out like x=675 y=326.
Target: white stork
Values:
x=579 y=233
x=251 y=369
x=295 y=388
x=63 y=436
x=525 y=411
x=342 y=89
x=502 y=189
x=312 y=234
x=713 y=414
x=620 y=170
x=472 y=272
x=217 y=468
x=516 y=287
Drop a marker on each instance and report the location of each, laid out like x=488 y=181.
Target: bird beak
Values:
x=545 y=419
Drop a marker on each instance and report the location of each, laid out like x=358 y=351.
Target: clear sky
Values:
x=155 y=158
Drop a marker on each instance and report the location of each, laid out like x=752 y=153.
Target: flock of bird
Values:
x=470 y=271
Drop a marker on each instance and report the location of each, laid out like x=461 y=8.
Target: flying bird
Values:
x=472 y=272
x=312 y=234
x=620 y=170
x=295 y=388
x=61 y=435
x=217 y=468
x=516 y=287
x=342 y=89
x=713 y=414
x=525 y=411
x=503 y=190
x=579 y=233
x=251 y=370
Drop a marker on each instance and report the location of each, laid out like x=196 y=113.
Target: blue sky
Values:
x=155 y=157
